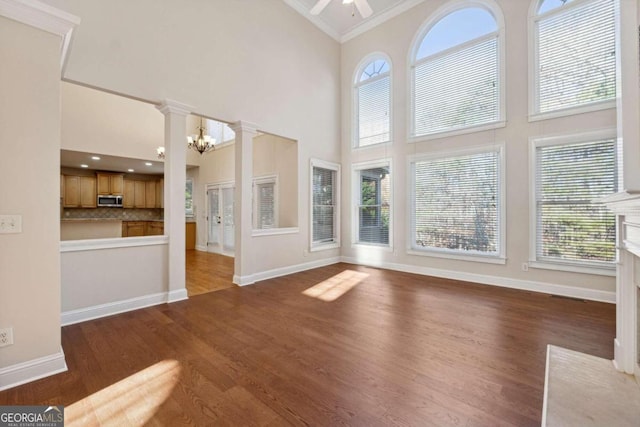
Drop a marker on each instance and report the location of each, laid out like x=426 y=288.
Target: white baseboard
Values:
x=32 y=370
x=505 y=282
x=282 y=271
x=201 y=248
x=111 y=308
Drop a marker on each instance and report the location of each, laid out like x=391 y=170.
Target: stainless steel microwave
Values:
x=110 y=201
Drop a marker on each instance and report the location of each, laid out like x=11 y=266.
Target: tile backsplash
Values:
x=113 y=213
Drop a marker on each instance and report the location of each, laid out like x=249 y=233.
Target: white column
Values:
x=175 y=176
x=243 y=201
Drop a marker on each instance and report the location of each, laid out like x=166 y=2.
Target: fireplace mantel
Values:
x=626 y=206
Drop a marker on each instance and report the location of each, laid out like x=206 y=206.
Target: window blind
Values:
x=457 y=88
x=266 y=205
x=373 y=206
x=455 y=204
x=576 y=55
x=569 y=226
x=373 y=111
x=324 y=181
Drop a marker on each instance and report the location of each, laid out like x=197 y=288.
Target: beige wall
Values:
x=274 y=155
x=515 y=137
x=29 y=186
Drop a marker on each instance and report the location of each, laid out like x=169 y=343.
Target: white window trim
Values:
x=500 y=257
x=319 y=246
x=534 y=114
x=554 y=140
x=355 y=119
x=490 y=6
x=355 y=195
x=265 y=179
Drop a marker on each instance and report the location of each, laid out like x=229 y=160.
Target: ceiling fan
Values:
x=362 y=6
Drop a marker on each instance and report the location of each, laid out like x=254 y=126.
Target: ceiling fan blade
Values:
x=319 y=7
x=363 y=7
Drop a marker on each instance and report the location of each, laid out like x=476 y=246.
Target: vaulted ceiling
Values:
x=343 y=22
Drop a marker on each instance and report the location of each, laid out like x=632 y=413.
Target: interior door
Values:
x=220 y=222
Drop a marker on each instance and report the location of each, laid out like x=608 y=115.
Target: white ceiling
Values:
x=337 y=19
x=73 y=159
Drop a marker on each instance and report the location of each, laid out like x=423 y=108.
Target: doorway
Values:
x=220 y=221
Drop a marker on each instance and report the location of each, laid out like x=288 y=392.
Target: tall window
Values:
x=373 y=103
x=188 y=198
x=569 y=174
x=373 y=203
x=457 y=203
x=457 y=81
x=265 y=213
x=574 y=54
x=324 y=209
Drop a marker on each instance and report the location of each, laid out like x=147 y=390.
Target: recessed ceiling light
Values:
x=130 y=170
x=84 y=166
x=95 y=158
x=149 y=164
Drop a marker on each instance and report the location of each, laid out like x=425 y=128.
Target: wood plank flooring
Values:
x=335 y=346
x=207 y=272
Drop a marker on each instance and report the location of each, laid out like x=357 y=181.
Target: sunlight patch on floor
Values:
x=336 y=286
x=131 y=401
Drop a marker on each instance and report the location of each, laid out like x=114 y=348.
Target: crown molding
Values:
x=356 y=30
x=242 y=126
x=44 y=17
x=378 y=19
x=303 y=10
x=174 y=107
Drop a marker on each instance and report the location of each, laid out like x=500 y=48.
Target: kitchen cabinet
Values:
x=139 y=200
x=133 y=228
x=110 y=184
x=154 y=228
x=160 y=194
x=190 y=235
x=150 y=194
x=128 y=197
x=79 y=192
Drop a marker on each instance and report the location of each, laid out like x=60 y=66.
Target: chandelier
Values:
x=201 y=143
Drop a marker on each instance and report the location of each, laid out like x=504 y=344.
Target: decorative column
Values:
x=245 y=132
x=175 y=176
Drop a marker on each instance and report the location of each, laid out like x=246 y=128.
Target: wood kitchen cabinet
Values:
x=160 y=193
x=154 y=228
x=190 y=235
x=112 y=184
x=150 y=194
x=79 y=192
x=139 y=200
x=133 y=228
x=128 y=197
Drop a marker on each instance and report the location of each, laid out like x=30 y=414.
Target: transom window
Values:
x=456 y=73
x=575 y=62
x=456 y=203
x=373 y=103
x=570 y=173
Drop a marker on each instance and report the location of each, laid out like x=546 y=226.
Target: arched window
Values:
x=456 y=67
x=372 y=102
x=574 y=54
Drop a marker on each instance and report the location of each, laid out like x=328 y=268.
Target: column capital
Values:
x=169 y=106
x=242 y=126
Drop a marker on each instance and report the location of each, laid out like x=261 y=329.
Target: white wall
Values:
x=394 y=38
x=257 y=61
x=29 y=186
x=95 y=277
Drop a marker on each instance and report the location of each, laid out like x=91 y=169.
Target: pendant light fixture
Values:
x=202 y=143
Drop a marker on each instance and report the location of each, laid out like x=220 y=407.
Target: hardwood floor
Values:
x=207 y=272
x=338 y=345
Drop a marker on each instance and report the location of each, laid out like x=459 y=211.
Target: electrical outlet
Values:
x=10 y=224
x=525 y=266
x=6 y=337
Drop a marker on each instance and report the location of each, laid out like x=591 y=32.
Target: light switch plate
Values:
x=10 y=224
